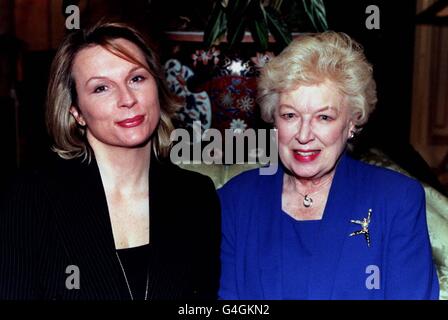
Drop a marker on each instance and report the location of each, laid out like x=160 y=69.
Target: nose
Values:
x=127 y=98
x=305 y=132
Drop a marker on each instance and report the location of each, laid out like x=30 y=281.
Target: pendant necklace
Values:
x=307 y=200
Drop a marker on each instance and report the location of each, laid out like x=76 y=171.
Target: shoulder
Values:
x=397 y=196
x=65 y=178
x=38 y=186
x=248 y=180
x=183 y=190
x=383 y=179
x=181 y=178
x=55 y=168
x=24 y=202
x=191 y=201
x=23 y=182
x=248 y=189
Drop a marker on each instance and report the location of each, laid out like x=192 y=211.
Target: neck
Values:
x=123 y=169
x=308 y=186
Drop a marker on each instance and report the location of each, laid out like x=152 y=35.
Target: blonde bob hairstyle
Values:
x=68 y=136
x=312 y=59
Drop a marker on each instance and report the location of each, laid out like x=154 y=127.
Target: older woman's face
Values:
x=117 y=100
x=313 y=127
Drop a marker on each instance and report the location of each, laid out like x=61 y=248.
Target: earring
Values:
x=352 y=134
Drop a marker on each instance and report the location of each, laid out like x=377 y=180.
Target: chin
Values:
x=136 y=138
x=140 y=144
x=304 y=173
x=135 y=142
x=303 y=170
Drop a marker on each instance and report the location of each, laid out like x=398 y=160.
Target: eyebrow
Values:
x=102 y=78
x=317 y=111
x=328 y=108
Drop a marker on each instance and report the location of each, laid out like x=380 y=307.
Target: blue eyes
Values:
x=104 y=88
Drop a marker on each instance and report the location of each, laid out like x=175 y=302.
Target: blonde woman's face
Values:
x=313 y=125
x=117 y=100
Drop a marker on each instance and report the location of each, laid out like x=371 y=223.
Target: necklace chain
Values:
x=127 y=282
x=307 y=200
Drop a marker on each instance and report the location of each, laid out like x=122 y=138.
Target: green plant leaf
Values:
x=217 y=25
x=258 y=25
x=235 y=32
x=237 y=12
x=278 y=27
x=321 y=15
x=315 y=10
x=260 y=34
x=237 y=8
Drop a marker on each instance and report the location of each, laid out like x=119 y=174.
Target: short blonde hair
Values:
x=312 y=59
x=69 y=138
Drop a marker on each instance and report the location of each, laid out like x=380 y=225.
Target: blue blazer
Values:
x=341 y=267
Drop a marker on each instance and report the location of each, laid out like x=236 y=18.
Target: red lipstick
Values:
x=131 y=122
x=306 y=155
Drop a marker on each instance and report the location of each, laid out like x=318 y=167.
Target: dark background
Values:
x=389 y=49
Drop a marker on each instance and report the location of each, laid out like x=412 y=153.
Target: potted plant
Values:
x=231 y=18
x=222 y=79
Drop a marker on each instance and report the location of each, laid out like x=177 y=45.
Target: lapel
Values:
x=170 y=227
x=334 y=229
x=333 y=232
x=83 y=223
x=270 y=238
x=158 y=189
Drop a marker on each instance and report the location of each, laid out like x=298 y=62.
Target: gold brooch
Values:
x=365 y=227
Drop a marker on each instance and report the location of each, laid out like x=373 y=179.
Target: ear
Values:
x=78 y=116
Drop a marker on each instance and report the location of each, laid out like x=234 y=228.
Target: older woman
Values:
x=108 y=220
x=325 y=226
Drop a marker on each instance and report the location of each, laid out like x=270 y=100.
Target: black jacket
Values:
x=55 y=218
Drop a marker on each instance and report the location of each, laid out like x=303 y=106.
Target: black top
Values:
x=136 y=263
x=58 y=217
